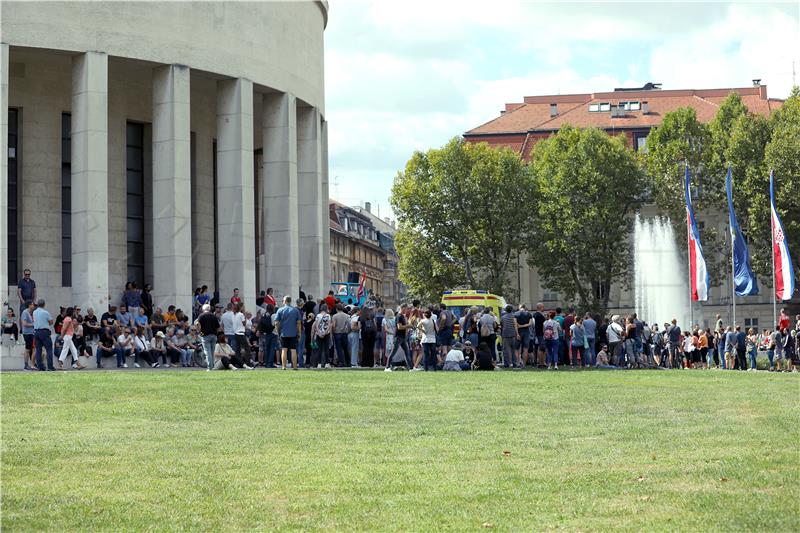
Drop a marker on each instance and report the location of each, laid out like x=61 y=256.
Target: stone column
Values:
x=326 y=218
x=279 y=233
x=310 y=201
x=172 y=198
x=235 y=193
x=4 y=273
x=90 y=180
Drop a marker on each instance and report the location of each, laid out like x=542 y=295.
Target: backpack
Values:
x=549 y=332
x=369 y=324
x=485 y=329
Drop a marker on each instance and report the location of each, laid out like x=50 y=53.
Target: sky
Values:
x=407 y=75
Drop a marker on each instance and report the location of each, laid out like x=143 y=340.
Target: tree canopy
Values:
x=462 y=218
x=586 y=187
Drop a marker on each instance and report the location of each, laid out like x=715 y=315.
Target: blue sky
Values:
x=409 y=75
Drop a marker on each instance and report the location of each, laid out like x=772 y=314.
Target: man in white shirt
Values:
x=124 y=347
x=241 y=345
x=615 y=334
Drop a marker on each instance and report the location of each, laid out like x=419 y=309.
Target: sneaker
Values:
x=124 y=365
x=74 y=366
x=208 y=370
x=248 y=367
x=156 y=365
x=233 y=367
x=99 y=365
x=319 y=365
x=416 y=369
x=166 y=365
x=137 y=365
x=388 y=369
x=555 y=367
x=327 y=366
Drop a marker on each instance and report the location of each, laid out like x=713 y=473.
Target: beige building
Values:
x=171 y=143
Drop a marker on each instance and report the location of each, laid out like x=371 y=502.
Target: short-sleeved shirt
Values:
x=140 y=320
x=507 y=322
x=26 y=317
x=590 y=327
x=340 y=322
x=238 y=324
x=577 y=334
x=41 y=318
x=560 y=320
x=731 y=341
x=674 y=335
x=288 y=316
x=26 y=286
x=489 y=321
x=454 y=355
x=401 y=319
x=524 y=319
x=109 y=319
x=227 y=323
x=539 y=319
x=429 y=329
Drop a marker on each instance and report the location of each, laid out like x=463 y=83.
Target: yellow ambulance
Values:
x=459 y=301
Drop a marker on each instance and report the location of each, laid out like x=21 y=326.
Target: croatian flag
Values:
x=784 y=274
x=697 y=264
x=744 y=280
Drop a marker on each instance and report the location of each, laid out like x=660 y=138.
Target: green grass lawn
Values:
x=344 y=450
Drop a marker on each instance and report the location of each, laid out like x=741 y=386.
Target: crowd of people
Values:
x=331 y=333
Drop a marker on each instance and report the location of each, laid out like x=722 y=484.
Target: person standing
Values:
x=487 y=329
x=674 y=343
x=524 y=321
x=209 y=328
x=26 y=290
x=321 y=330
x=132 y=298
x=354 y=336
x=741 y=349
x=269 y=299
x=509 y=330
x=590 y=327
x=146 y=300
x=731 y=341
x=400 y=340
x=614 y=332
x=28 y=334
x=67 y=332
x=369 y=330
x=550 y=336
x=289 y=324
x=42 y=321
x=266 y=339
x=539 y=319
x=444 y=325
x=235 y=299
x=241 y=344
x=578 y=343
x=228 y=326
x=341 y=326
x=427 y=328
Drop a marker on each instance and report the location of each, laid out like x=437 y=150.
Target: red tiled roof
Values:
x=534 y=114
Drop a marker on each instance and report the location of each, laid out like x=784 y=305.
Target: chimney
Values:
x=757 y=82
x=368 y=207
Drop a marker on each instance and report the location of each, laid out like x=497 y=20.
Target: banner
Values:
x=783 y=271
x=744 y=280
x=698 y=274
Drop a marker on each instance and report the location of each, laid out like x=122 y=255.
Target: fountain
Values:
x=661 y=288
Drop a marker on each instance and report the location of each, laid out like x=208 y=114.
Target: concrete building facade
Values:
x=175 y=143
x=632 y=112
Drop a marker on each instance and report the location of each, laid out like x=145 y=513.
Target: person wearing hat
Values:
x=159 y=348
x=469 y=355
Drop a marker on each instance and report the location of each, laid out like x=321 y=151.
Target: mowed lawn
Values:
x=362 y=450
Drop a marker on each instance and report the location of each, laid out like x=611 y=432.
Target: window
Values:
x=600 y=290
x=548 y=295
x=751 y=323
x=640 y=143
x=553 y=110
x=66 y=200
x=134 y=163
x=13 y=199
x=594 y=108
x=605 y=107
x=633 y=106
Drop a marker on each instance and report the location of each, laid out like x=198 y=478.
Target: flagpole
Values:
x=733 y=269
x=772 y=250
x=689 y=252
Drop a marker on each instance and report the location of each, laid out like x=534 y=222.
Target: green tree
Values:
x=462 y=218
x=678 y=141
x=587 y=186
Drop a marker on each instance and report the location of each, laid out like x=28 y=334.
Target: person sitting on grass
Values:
x=484 y=360
x=226 y=357
x=603 y=360
x=223 y=354
x=469 y=355
x=454 y=360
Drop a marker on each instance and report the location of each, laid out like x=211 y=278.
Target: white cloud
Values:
x=405 y=76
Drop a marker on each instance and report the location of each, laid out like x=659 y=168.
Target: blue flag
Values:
x=743 y=277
